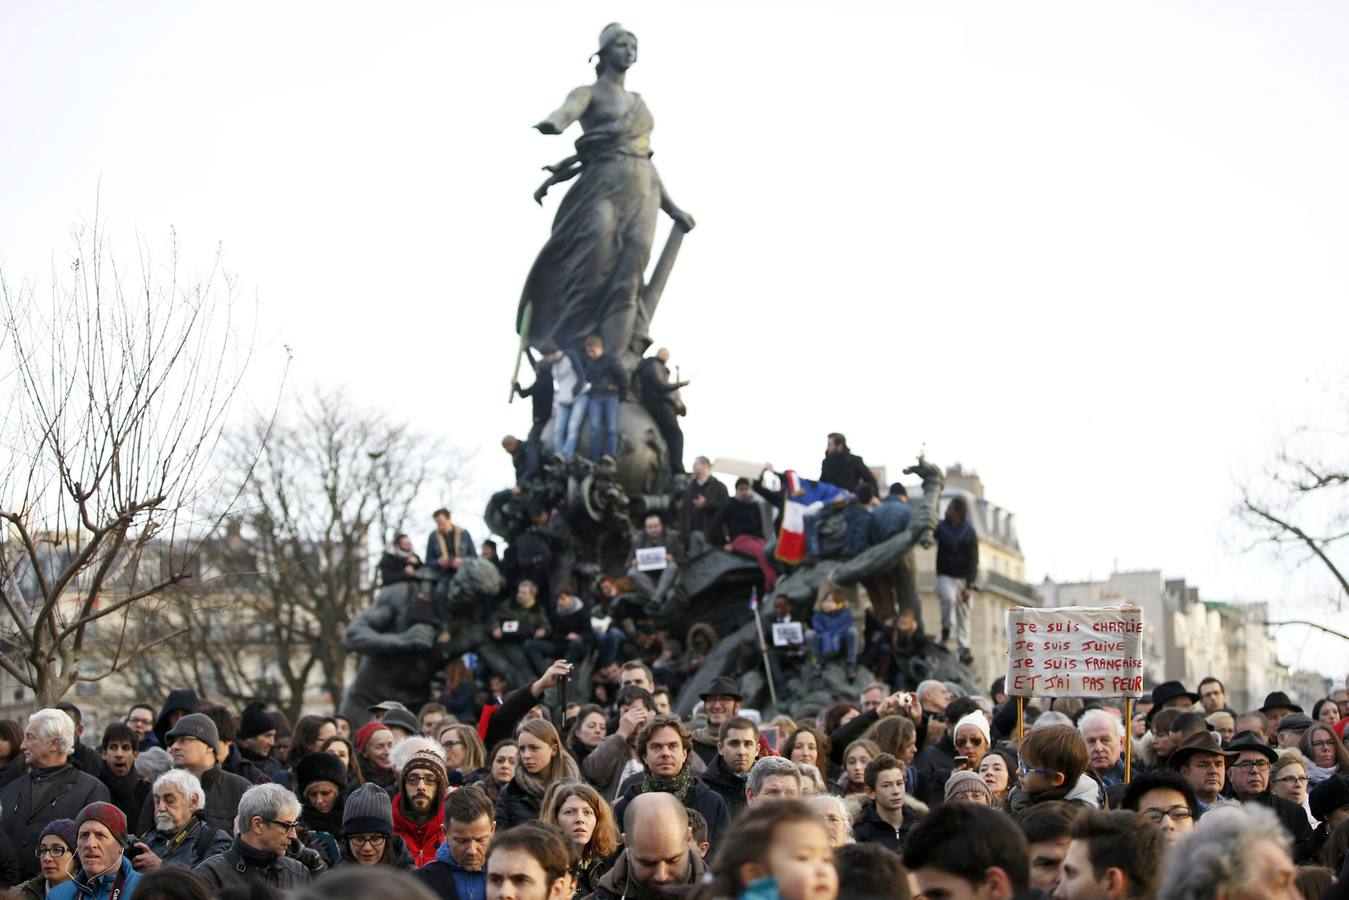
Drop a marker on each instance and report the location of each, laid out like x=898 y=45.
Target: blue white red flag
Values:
x=802 y=496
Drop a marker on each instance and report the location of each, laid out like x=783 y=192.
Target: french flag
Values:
x=802 y=496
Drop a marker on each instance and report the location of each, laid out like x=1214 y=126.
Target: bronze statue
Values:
x=588 y=279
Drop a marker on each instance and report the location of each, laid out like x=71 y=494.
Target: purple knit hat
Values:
x=62 y=828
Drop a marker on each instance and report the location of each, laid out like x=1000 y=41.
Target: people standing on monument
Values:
x=541 y=408
x=608 y=386
x=738 y=528
x=843 y=468
x=957 y=569
x=588 y=279
x=702 y=498
x=660 y=397
x=570 y=401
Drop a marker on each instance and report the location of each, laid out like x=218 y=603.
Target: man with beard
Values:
x=1248 y=779
x=181 y=837
x=125 y=787
x=721 y=701
x=664 y=748
x=419 y=814
x=657 y=857
x=256 y=737
x=321 y=782
x=737 y=749
x=457 y=871
x=193 y=742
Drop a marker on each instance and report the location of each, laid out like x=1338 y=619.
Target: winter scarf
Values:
x=534 y=786
x=677 y=784
x=1318 y=774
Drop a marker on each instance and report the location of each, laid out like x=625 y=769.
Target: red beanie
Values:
x=365 y=732
x=107 y=815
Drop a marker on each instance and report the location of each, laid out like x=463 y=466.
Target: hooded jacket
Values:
x=183 y=700
x=619 y=882
x=449 y=880
x=728 y=784
x=422 y=840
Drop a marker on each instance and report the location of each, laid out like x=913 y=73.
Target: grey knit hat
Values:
x=368 y=811
x=195 y=725
x=967 y=782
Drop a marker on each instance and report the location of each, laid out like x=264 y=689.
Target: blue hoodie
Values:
x=99 y=888
x=468 y=885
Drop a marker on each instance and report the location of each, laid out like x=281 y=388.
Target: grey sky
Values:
x=1094 y=251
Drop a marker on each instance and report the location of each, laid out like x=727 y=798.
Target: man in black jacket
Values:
x=665 y=747
x=957 y=569
x=51 y=788
x=738 y=528
x=843 y=468
x=399 y=562
x=255 y=738
x=737 y=750
x=125 y=789
x=608 y=387
x=541 y=410
x=1248 y=780
x=193 y=743
x=570 y=634
x=702 y=498
x=268 y=817
x=885 y=818
x=658 y=396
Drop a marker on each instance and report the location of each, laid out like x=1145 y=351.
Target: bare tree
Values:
x=1301 y=505
x=114 y=391
x=332 y=484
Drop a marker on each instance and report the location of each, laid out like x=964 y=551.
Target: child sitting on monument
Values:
x=1053 y=759
x=834 y=635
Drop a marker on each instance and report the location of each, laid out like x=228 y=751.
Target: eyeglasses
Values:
x=1292 y=779
x=368 y=840
x=1323 y=745
x=285 y=826
x=1258 y=765
x=54 y=852
x=140 y=721
x=975 y=741
x=1175 y=814
x=448 y=744
x=420 y=779
x=1026 y=770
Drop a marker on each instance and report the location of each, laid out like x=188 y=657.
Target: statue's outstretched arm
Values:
x=572 y=109
x=682 y=218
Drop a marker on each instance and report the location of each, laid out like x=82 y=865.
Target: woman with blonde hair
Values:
x=542 y=762
x=586 y=820
x=464 y=752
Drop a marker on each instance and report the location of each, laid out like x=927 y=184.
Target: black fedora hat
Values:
x=722 y=686
x=1200 y=742
x=1279 y=700
x=1248 y=742
x=1165 y=692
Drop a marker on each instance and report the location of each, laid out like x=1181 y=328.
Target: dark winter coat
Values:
x=606 y=376
x=200 y=844
x=935 y=763
x=957 y=551
x=515 y=805
x=620 y=884
x=127 y=793
x=846 y=470
x=241 y=865
x=872 y=829
x=729 y=785
x=699 y=797
x=691 y=518
x=37 y=797
x=733 y=519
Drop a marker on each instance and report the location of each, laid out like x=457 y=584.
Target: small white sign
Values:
x=510 y=627
x=788 y=634
x=650 y=559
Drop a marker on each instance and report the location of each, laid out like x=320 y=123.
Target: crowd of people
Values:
x=932 y=794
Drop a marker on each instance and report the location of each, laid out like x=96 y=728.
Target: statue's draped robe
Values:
x=588 y=277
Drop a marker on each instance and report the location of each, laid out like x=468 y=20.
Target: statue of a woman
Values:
x=588 y=277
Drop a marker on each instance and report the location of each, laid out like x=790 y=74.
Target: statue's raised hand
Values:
x=548 y=127
x=682 y=219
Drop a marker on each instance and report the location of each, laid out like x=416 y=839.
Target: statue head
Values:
x=618 y=49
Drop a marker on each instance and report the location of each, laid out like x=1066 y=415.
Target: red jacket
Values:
x=422 y=840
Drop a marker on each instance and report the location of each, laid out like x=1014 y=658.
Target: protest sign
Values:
x=788 y=634
x=1075 y=651
x=650 y=559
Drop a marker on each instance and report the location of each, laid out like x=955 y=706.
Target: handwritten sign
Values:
x=650 y=559
x=1075 y=651
x=788 y=634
